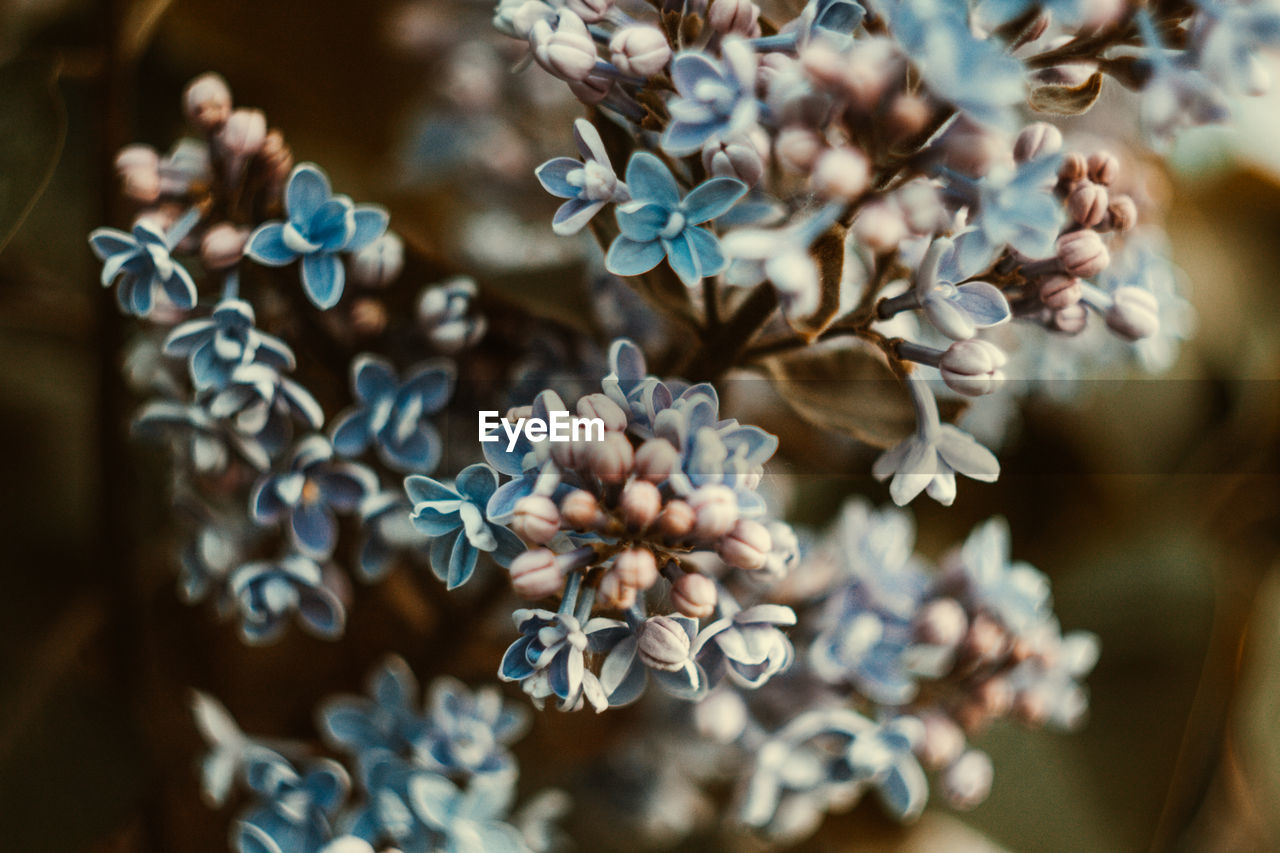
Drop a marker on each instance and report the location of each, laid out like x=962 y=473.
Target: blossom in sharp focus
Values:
x=216 y=345
x=141 y=263
x=716 y=99
x=955 y=309
x=658 y=223
x=588 y=185
x=455 y=517
x=747 y=646
x=392 y=415
x=548 y=660
x=307 y=492
x=319 y=226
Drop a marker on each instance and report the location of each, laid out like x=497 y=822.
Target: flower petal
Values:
x=712 y=198
x=629 y=257
x=323 y=279
x=266 y=245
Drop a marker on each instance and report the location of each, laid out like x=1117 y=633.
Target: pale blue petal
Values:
x=627 y=257
x=649 y=180
x=323 y=279
x=266 y=246
x=712 y=198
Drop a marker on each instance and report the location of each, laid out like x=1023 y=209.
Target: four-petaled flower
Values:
x=218 y=344
x=747 y=646
x=588 y=185
x=266 y=592
x=716 y=99
x=548 y=660
x=319 y=225
x=658 y=223
x=392 y=415
x=455 y=517
x=958 y=310
x=142 y=264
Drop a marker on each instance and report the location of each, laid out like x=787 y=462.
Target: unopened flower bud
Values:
x=590 y=11
x=972 y=367
x=721 y=717
x=842 y=174
x=1087 y=204
x=591 y=91
x=379 y=263
x=941 y=622
x=600 y=406
x=223 y=245
x=536 y=574
x=614 y=593
x=908 y=117
x=640 y=51
x=739 y=17
x=737 y=157
x=581 y=511
x=1070 y=320
x=1074 y=168
x=974 y=149
x=139 y=169
x=880 y=227
x=996 y=696
x=985 y=640
x=640 y=504
x=798 y=148
x=1032 y=706
x=612 y=458
x=663 y=643
x=656 y=459
x=784 y=553
x=694 y=595
x=1060 y=291
x=241 y=136
x=1134 y=313
x=716 y=511
x=275 y=159
x=1122 y=213
x=536 y=519
x=368 y=316
x=967 y=782
x=636 y=567
x=1036 y=140
x=567 y=50
x=943 y=740
x=677 y=520
x=207 y=102
x=1082 y=253
x=746 y=546
x=1103 y=167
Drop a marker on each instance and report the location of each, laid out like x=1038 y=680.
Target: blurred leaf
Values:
x=35 y=126
x=1066 y=100
x=845 y=388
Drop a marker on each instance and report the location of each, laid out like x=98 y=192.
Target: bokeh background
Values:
x=1154 y=505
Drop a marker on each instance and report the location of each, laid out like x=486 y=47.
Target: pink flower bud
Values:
x=1134 y=313
x=581 y=511
x=536 y=519
x=368 y=316
x=798 y=148
x=640 y=51
x=241 y=136
x=600 y=406
x=677 y=520
x=985 y=640
x=656 y=459
x=207 y=102
x=746 y=546
x=663 y=643
x=1070 y=320
x=908 y=117
x=636 y=567
x=567 y=50
x=943 y=740
x=721 y=717
x=379 y=263
x=716 y=511
x=640 y=504
x=734 y=16
x=941 y=622
x=536 y=574
x=611 y=459
x=694 y=595
x=996 y=696
x=967 y=782
x=591 y=91
x=223 y=245
x=972 y=367
x=1103 y=167
x=1037 y=140
x=1074 y=168
x=1032 y=706
x=590 y=11
x=139 y=169
x=1122 y=213
x=614 y=593
x=738 y=157
x=1060 y=291
x=880 y=227
x=276 y=159
x=842 y=174
x=1082 y=253
x=1087 y=203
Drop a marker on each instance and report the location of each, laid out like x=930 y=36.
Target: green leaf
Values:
x=35 y=126
x=846 y=387
x=1066 y=100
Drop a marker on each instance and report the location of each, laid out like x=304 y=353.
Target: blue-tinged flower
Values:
x=1069 y=13
x=308 y=491
x=548 y=660
x=385 y=519
x=1144 y=262
x=716 y=99
x=385 y=721
x=658 y=223
x=1015 y=593
x=1047 y=684
x=392 y=415
x=955 y=309
x=1226 y=38
x=529 y=464
x=319 y=225
x=629 y=384
x=229 y=748
x=1016 y=209
x=781 y=255
x=447 y=315
x=884 y=756
x=267 y=592
x=746 y=646
x=454 y=516
x=207 y=443
x=258 y=401
x=929 y=459
x=141 y=262
x=469 y=731
x=294 y=809
x=588 y=185
x=630 y=658
x=218 y=344
x=1177 y=94
x=206 y=561
x=976 y=75
x=831 y=20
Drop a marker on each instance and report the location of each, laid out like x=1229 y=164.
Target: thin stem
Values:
x=909 y=351
x=180 y=229
x=231 y=284
x=570 y=599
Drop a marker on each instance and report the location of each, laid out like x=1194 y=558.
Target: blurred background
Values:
x=1153 y=505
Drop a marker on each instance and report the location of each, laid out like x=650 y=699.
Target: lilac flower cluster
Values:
x=415 y=779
